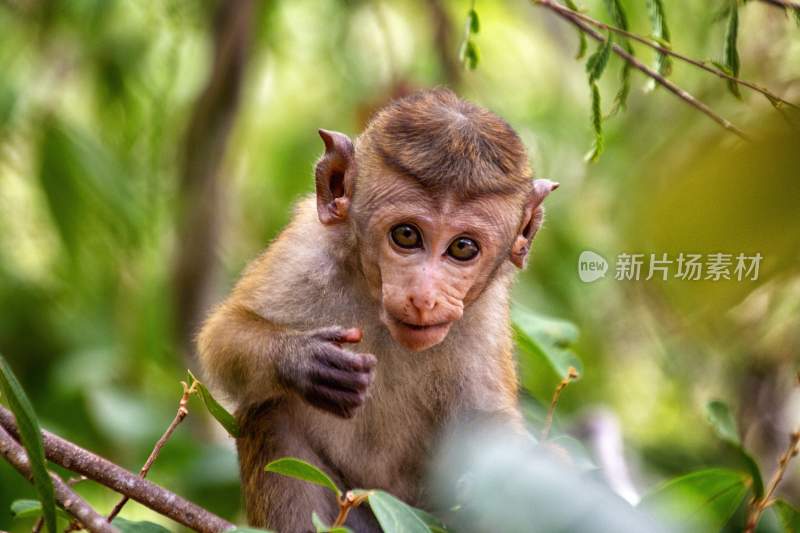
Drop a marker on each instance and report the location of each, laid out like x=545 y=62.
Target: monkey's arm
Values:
x=253 y=360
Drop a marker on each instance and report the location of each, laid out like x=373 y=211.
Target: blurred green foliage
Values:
x=94 y=101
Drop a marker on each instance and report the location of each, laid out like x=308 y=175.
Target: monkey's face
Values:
x=426 y=259
x=427 y=254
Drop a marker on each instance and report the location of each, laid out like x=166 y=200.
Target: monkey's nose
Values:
x=423 y=302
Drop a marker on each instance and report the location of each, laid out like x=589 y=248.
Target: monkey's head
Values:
x=438 y=195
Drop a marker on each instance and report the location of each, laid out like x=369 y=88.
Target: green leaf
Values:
x=473 y=21
x=298 y=469
x=31 y=508
x=597 y=126
x=83 y=184
x=660 y=33
x=621 y=98
x=470 y=55
x=597 y=62
x=127 y=526
x=547 y=339
x=26 y=508
x=788 y=516
x=31 y=436
x=700 y=501
x=321 y=527
x=395 y=516
x=433 y=523
x=620 y=19
x=730 y=52
x=721 y=419
x=227 y=420
x=618 y=15
x=582 y=44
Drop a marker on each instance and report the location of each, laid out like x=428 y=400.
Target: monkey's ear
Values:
x=532 y=216
x=334 y=177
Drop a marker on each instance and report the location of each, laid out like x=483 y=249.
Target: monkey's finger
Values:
x=345 y=360
x=341 y=379
x=338 y=334
x=341 y=403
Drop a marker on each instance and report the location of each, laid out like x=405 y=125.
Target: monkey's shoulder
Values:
x=299 y=280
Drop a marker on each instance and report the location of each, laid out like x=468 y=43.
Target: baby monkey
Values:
x=380 y=316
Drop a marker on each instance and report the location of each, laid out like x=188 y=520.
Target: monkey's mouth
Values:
x=422 y=327
x=417 y=337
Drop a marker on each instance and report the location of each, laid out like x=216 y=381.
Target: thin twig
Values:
x=347 y=502
x=179 y=416
x=759 y=505
x=103 y=471
x=548 y=422
x=668 y=51
x=573 y=18
x=66 y=497
x=782 y=3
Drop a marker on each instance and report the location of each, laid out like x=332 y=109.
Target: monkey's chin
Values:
x=417 y=338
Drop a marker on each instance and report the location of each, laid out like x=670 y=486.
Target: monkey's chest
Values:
x=390 y=442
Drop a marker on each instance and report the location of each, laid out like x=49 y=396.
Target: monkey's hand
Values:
x=326 y=375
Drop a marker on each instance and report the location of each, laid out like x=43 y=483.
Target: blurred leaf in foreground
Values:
x=31 y=436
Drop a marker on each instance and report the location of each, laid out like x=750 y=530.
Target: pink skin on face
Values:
x=424 y=288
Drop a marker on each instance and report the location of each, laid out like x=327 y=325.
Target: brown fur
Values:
x=333 y=270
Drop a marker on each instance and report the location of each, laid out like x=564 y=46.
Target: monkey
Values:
x=380 y=315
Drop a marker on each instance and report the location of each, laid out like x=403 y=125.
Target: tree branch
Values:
x=203 y=156
x=179 y=416
x=783 y=3
x=668 y=51
x=443 y=42
x=103 y=471
x=575 y=20
x=74 y=504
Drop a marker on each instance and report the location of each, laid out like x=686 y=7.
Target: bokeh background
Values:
x=118 y=229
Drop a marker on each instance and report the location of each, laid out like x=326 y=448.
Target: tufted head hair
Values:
x=448 y=144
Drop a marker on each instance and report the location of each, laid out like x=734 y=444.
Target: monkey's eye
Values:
x=463 y=249
x=406 y=236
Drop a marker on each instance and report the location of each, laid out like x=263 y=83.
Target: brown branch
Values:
x=575 y=20
x=103 y=471
x=548 y=422
x=66 y=497
x=74 y=525
x=668 y=51
x=179 y=416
